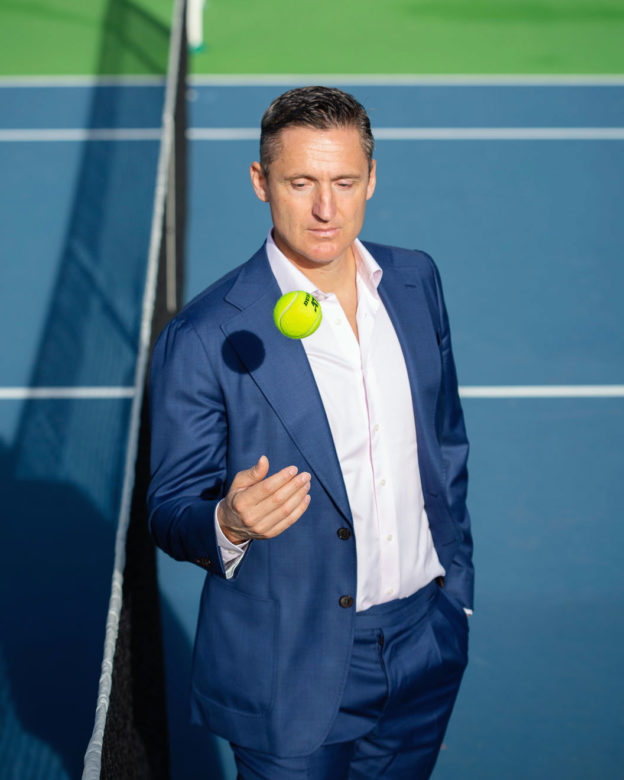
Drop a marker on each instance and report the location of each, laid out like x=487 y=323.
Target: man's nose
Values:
x=324 y=206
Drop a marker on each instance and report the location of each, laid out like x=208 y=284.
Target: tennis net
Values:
x=129 y=737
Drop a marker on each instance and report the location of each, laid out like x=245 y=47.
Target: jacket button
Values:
x=344 y=534
x=346 y=601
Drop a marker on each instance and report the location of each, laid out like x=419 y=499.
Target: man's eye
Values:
x=299 y=185
x=345 y=185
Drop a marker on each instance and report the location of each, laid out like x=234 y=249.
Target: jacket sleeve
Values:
x=459 y=580
x=188 y=448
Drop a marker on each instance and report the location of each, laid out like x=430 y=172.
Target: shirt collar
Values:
x=289 y=277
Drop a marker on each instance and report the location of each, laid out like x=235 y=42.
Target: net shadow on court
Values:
x=62 y=479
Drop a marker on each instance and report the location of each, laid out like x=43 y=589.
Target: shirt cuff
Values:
x=231 y=554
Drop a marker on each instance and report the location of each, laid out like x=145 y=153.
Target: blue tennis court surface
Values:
x=76 y=225
x=527 y=233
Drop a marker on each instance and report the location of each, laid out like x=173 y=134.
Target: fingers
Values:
x=289 y=520
x=268 y=502
x=281 y=508
x=253 y=475
x=250 y=491
x=261 y=507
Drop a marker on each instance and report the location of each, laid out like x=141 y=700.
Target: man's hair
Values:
x=321 y=108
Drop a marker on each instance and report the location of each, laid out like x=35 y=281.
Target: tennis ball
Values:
x=297 y=314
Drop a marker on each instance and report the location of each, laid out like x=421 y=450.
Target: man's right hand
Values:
x=261 y=507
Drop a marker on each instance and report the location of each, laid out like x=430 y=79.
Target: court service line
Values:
x=380 y=133
x=437 y=133
x=499 y=133
x=81 y=134
x=405 y=79
x=466 y=391
x=292 y=79
x=19 y=82
x=542 y=391
x=64 y=393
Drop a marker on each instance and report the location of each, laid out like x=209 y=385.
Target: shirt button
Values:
x=344 y=534
x=346 y=601
x=382 y=482
x=389 y=592
x=389 y=538
x=376 y=428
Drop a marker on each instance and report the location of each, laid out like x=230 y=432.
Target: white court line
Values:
x=466 y=391
x=542 y=391
x=437 y=133
x=223 y=133
x=82 y=134
x=381 y=134
x=499 y=133
x=405 y=79
x=45 y=393
x=286 y=79
x=11 y=82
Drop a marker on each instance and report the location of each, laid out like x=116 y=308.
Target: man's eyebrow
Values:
x=354 y=176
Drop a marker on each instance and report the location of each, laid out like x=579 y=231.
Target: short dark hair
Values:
x=322 y=108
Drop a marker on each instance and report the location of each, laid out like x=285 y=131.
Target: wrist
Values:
x=233 y=537
x=229 y=534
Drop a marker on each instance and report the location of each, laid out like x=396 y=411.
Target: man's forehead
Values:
x=300 y=142
x=298 y=133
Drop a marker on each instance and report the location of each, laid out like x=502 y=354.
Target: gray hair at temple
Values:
x=322 y=108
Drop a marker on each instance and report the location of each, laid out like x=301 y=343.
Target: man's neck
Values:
x=339 y=278
x=333 y=277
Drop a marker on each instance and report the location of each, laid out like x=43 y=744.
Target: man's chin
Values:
x=324 y=252
x=317 y=253
x=318 y=259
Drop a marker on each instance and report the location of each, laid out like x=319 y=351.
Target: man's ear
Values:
x=372 y=180
x=259 y=181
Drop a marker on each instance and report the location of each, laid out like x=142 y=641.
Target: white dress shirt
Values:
x=367 y=398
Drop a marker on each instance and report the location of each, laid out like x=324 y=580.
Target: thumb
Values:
x=249 y=477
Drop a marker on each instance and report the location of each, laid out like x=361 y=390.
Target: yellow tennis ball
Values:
x=297 y=314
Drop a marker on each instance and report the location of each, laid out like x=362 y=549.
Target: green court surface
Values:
x=325 y=36
x=83 y=37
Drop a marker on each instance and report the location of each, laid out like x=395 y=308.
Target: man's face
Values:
x=317 y=188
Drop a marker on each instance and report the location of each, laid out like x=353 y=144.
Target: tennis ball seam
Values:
x=312 y=327
x=290 y=305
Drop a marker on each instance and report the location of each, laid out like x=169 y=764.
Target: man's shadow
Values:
x=56 y=558
x=55 y=569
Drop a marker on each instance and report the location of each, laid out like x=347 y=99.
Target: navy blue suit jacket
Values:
x=273 y=643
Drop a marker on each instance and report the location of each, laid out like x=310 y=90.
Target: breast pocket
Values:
x=235 y=655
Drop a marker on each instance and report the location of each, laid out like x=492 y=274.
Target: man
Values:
x=321 y=483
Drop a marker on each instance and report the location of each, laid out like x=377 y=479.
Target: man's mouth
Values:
x=326 y=232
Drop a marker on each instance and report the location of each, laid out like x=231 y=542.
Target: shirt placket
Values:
x=386 y=529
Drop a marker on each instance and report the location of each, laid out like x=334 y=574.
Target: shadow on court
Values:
x=61 y=480
x=55 y=563
x=56 y=552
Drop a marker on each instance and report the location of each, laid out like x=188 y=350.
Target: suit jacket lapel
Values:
x=280 y=369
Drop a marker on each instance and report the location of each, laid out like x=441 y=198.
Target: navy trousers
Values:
x=408 y=659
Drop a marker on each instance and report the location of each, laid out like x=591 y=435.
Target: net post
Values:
x=195 y=24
